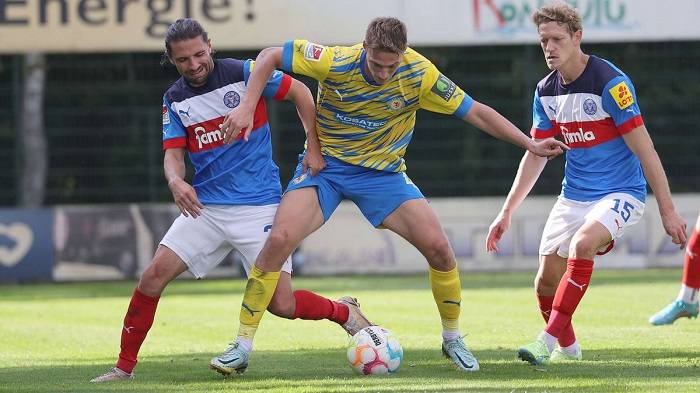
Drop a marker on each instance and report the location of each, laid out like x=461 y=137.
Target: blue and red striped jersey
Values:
x=241 y=173
x=590 y=115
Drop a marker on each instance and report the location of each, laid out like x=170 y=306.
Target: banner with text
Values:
x=140 y=25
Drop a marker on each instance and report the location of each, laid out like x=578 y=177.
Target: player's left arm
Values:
x=493 y=123
x=440 y=94
x=301 y=96
x=639 y=141
x=619 y=99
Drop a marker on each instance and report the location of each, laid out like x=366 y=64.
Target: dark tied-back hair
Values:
x=180 y=30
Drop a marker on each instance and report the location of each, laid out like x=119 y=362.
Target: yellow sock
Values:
x=447 y=292
x=258 y=293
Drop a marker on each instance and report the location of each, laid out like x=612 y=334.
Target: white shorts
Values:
x=616 y=212
x=203 y=242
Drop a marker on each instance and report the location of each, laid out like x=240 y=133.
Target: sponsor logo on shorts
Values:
x=444 y=87
x=299 y=178
x=622 y=95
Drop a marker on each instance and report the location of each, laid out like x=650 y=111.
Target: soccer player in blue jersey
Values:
x=366 y=107
x=235 y=190
x=592 y=105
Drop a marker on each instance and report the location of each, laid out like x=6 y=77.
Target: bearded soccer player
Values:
x=366 y=107
x=592 y=105
x=234 y=193
x=686 y=304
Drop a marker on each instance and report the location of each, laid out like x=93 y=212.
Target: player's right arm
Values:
x=529 y=171
x=241 y=117
x=183 y=193
x=174 y=144
x=297 y=56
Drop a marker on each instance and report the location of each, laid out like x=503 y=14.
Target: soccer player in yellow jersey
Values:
x=366 y=107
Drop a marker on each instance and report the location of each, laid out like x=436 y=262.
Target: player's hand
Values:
x=239 y=120
x=498 y=227
x=675 y=227
x=313 y=161
x=549 y=148
x=186 y=198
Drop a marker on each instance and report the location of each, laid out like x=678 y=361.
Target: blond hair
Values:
x=559 y=12
x=386 y=34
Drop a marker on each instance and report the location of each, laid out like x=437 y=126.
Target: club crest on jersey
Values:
x=313 y=51
x=444 y=87
x=622 y=95
x=590 y=107
x=396 y=103
x=232 y=99
x=166 y=115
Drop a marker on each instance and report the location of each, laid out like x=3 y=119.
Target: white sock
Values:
x=688 y=294
x=245 y=344
x=573 y=349
x=450 y=334
x=548 y=339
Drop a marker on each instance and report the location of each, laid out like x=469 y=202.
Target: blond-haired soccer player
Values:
x=366 y=107
x=686 y=304
x=592 y=105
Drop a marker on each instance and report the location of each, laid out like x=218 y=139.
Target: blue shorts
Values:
x=376 y=193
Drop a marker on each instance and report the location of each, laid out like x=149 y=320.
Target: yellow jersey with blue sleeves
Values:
x=361 y=122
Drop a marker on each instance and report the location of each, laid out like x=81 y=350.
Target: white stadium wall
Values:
x=97 y=242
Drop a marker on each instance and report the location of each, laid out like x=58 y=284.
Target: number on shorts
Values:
x=625 y=213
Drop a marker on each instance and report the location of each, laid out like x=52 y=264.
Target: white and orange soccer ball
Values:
x=374 y=350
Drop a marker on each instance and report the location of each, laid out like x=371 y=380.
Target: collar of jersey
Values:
x=368 y=79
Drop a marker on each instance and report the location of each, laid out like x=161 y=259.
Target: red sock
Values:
x=691 y=268
x=311 y=306
x=137 y=322
x=567 y=336
x=571 y=289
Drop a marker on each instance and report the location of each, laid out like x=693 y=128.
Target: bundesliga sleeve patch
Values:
x=166 y=115
x=444 y=87
x=622 y=95
x=313 y=51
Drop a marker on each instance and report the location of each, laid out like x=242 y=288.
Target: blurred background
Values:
x=81 y=87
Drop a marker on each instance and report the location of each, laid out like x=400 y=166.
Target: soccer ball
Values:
x=374 y=350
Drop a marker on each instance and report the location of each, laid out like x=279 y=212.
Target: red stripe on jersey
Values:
x=588 y=133
x=207 y=135
x=174 y=143
x=630 y=124
x=285 y=84
x=543 y=134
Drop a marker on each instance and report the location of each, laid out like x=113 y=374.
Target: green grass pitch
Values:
x=55 y=338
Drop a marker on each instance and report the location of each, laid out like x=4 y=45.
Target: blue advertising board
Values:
x=26 y=246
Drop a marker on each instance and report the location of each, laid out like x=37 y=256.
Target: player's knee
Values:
x=153 y=280
x=546 y=285
x=439 y=253
x=281 y=307
x=583 y=247
x=279 y=240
